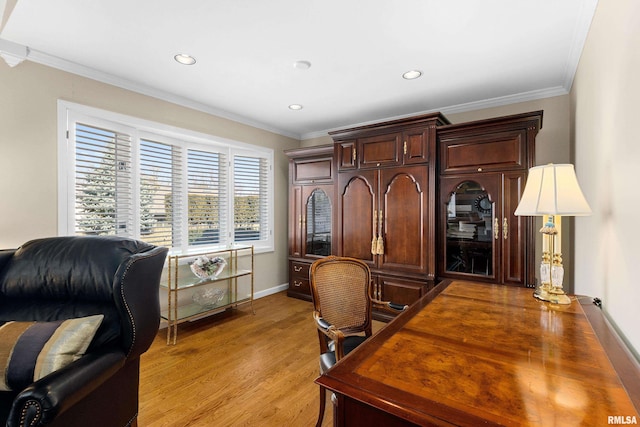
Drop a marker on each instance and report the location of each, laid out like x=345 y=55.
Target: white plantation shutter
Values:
x=207 y=197
x=250 y=198
x=103 y=188
x=160 y=184
x=161 y=197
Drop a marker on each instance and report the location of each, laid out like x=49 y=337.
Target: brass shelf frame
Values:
x=178 y=280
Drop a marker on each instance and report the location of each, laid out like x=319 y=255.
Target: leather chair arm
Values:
x=333 y=334
x=136 y=291
x=389 y=307
x=50 y=396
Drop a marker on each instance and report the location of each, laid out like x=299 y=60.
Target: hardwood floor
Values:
x=238 y=369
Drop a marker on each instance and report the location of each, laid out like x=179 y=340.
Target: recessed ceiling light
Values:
x=185 y=59
x=302 y=65
x=413 y=74
x=295 y=107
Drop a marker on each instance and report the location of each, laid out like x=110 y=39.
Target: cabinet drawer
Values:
x=483 y=153
x=299 y=280
x=299 y=285
x=299 y=269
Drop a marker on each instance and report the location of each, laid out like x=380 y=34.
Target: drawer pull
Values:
x=297 y=269
x=297 y=284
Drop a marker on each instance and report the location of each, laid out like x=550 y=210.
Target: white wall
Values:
x=28 y=147
x=605 y=101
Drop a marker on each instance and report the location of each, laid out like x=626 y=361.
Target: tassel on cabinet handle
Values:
x=373 y=241
x=505 y=228
x=380 y=242
x=496 y=228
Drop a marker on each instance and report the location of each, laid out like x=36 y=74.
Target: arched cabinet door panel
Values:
x=481 y=237
x=318 y=222
x=357 y=206
x=404 y=217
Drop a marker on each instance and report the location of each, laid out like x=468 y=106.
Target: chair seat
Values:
x=327 y=360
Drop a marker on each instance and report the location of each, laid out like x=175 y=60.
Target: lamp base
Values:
x=542 y=292
x=557 y=296
x=553 y=295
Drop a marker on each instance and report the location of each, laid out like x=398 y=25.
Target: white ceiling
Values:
x=472 y=53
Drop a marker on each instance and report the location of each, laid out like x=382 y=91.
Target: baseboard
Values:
x=271 y=291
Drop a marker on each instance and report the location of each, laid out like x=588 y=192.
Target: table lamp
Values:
x=552 y=191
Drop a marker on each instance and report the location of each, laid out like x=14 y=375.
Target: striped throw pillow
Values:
x=32 y=350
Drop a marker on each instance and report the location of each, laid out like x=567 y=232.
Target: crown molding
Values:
x=13 y=53
x=460 y=108
x=91 y=73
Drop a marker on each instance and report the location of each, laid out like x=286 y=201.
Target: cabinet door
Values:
x=296 y=212
x=514 y=232
x=486 y=152
x=314 y=170
x=415 y=147
x=471 y=218
x=345 y=152
x=380 y=150
x=317 y=224
x=357 y=202
x=404 y=214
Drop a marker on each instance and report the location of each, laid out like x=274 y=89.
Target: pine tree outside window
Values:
x=124 y=176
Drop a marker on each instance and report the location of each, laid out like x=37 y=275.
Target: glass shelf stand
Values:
x=187 y=294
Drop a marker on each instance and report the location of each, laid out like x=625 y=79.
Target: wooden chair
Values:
x=342 y=305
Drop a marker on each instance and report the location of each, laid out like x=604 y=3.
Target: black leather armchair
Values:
x=69 y=277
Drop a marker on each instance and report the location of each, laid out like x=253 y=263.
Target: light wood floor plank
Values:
x=239 y=369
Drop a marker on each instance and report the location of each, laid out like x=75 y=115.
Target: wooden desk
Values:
x=476 y=354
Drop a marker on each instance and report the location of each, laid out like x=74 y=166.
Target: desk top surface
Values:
x=491 y=354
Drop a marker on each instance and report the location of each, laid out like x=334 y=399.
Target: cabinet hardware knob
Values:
x=479 y=169
x=297 y=269
x=296 y=283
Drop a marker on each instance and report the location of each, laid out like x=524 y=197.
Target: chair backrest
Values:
x=340 y=289
x=59 y=278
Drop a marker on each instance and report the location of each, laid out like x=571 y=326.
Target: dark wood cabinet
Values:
x=311 y=206
x=389 y=187
x=385 y=203
x=483 y=170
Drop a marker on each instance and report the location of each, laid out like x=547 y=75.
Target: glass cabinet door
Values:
x=469 y=234
x=318 y=224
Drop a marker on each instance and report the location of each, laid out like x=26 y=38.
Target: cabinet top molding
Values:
x=531 y=120
x=437 y=119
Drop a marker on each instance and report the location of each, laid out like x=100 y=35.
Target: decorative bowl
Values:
x=207 y=268
x=208 y=298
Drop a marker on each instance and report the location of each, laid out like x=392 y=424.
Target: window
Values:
x=124 y=176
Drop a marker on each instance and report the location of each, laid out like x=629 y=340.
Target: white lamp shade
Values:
x=552 y=190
